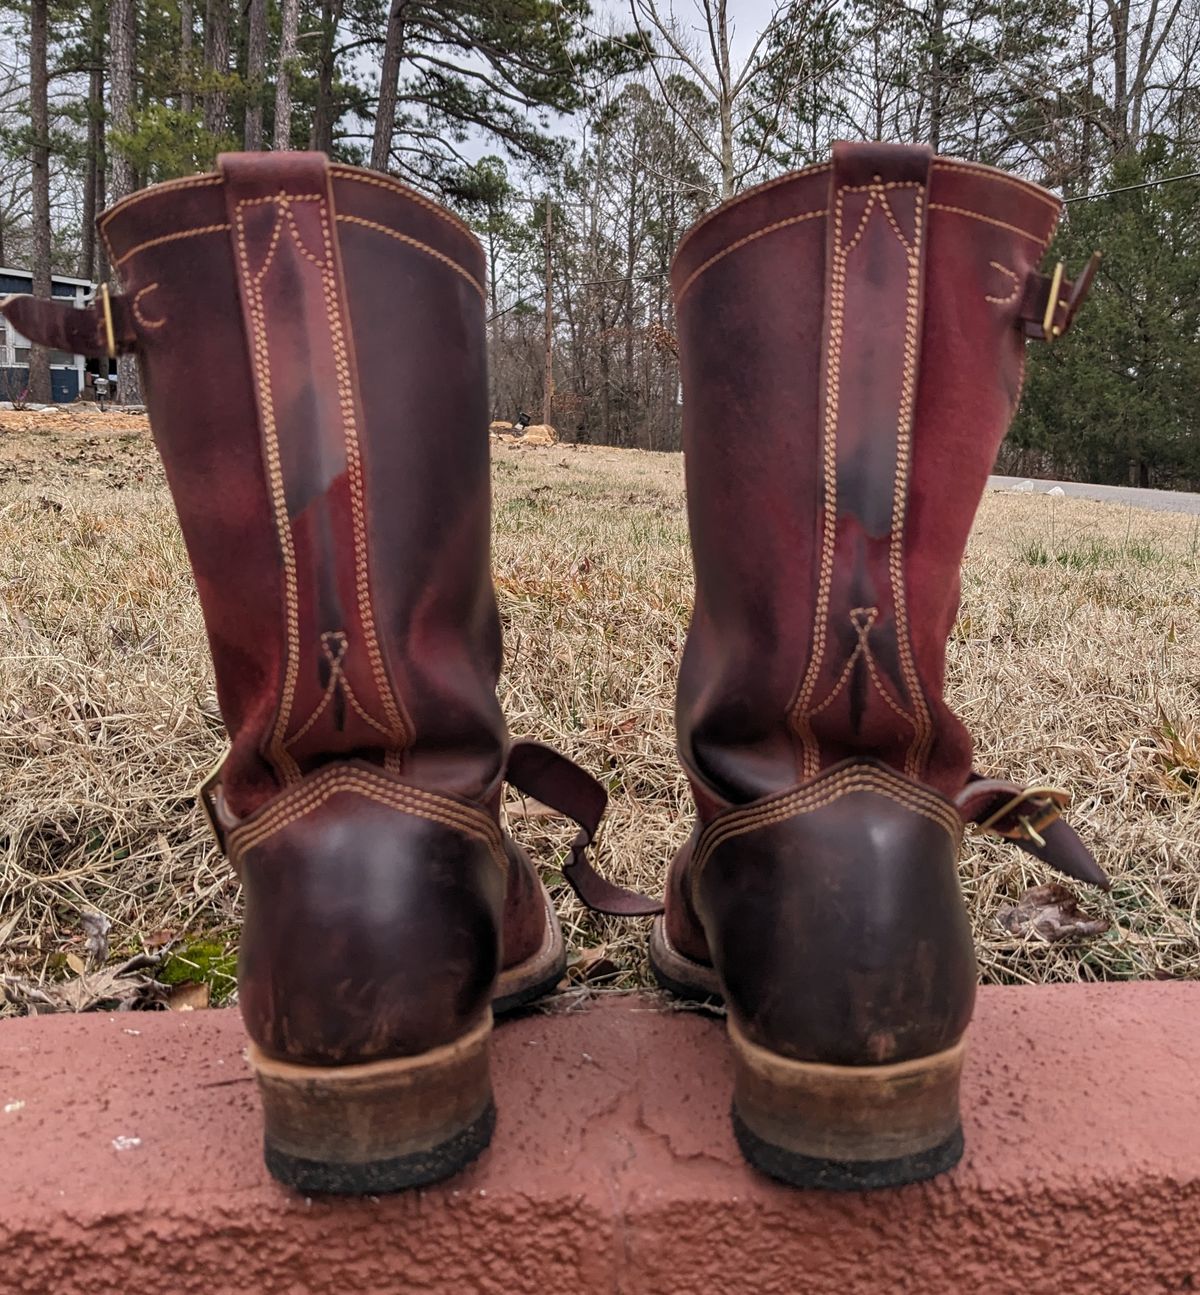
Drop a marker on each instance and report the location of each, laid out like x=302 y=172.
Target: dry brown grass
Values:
x=1076 y=661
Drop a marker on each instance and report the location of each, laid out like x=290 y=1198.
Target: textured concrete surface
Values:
x=1161 y=501
x=129 y=1162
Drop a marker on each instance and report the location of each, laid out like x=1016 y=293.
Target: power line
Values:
x=1129 y=188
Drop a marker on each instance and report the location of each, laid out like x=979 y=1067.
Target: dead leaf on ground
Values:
x=189 y=996
x=1051 y=912
x=121 y=988
x=594 y=962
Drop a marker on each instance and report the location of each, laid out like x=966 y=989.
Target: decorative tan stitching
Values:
x=832 y=364
x=337 y=679
x=862 y=649
x=395 y=186
x=1016 y=288
x=335 y=674
x=189 y=182
x=260 y=358
x=741 y=242
x=878 y=681
x=410 y=800
x=745 y=196
x=399 y=725
x=923 y=734
x=802 y=711
x=843 y=678
x=167 y=238
x=990 y=220
x=421 y=247
x=137 y=308
x=991 y=173
x=805 y=800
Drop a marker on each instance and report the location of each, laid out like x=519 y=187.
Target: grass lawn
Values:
x=1075 y=661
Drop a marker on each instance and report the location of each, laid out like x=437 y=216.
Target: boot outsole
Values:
x=378 y=1126
x=844 y=1107
x=845 y=1175
x=679 y=974
x=537 y=976
x=378 y=1177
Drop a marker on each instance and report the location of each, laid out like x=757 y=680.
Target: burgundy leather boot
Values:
x=312 y=346
x=852 y=341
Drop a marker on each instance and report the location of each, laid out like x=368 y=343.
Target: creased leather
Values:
x=840 y=935
x=368 y=933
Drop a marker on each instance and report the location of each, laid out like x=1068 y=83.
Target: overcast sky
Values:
x=746 y=18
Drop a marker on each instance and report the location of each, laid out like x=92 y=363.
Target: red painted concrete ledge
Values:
x=129 y=1161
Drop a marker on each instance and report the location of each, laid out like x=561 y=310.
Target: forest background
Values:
x=586 y=139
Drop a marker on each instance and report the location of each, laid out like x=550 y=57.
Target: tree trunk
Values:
x=1118 y=15
x=256 y=59
x=321 y=137
x=290 y=23
x=102 y=267
x=39 y=115
x=121 y=89
x=95 y=145
x=936 y=40
x=216 y=65
x=548 y=380
x=187 y=19
x=389 y=80
x=725 y=78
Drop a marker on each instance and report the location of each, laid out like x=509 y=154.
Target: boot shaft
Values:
x=852 y=342
x=313 y=350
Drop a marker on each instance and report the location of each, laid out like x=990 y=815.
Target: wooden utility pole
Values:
x=548 y=385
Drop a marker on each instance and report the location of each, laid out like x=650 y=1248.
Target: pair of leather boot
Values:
x=312 y=346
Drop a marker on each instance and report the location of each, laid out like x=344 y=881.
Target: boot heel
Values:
x=378 y=1127
x=846 y=1128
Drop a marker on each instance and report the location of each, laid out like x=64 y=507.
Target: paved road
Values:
x=1163 y=501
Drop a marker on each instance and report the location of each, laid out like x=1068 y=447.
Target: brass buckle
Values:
x=110 y=336
x=1049 y=802
x=1050 y=329
x=206 y=795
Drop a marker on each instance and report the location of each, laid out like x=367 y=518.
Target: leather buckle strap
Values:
x=541 y=772
x=1051 y=301
x=1030 y=817
x=103 y=329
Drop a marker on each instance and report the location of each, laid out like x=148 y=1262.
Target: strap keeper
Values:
x=1051 y=330
x=1046 y=314
x=110 y=336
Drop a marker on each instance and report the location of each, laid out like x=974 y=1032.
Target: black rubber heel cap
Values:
x=377 y=1177
x=845 y=1175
